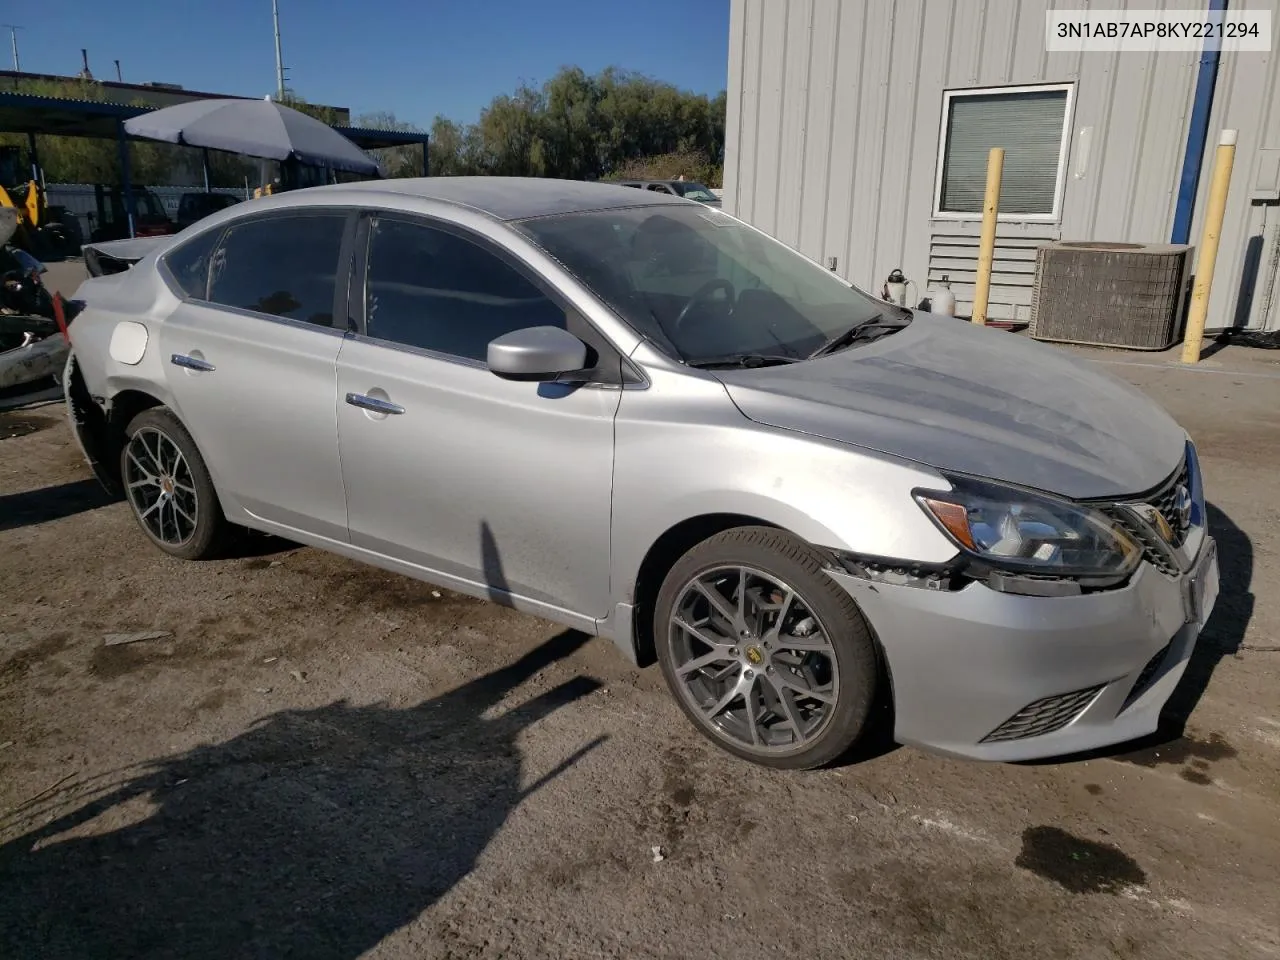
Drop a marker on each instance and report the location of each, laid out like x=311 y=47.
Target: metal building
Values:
x=844 y=116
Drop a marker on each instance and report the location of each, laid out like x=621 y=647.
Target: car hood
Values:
x=945 y=393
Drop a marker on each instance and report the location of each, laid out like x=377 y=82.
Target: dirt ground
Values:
x=321 y=760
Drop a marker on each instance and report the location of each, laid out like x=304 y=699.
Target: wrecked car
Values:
x=32 y=346
x=637 y=416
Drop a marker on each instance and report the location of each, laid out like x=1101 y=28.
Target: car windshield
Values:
x=148 y=205
x=703 y=285
x=693 y=191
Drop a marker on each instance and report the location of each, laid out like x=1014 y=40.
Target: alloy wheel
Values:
x=753 y=660
x=160 y=487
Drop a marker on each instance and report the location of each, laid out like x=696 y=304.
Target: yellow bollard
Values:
x=1194 y=339
x=987 y=248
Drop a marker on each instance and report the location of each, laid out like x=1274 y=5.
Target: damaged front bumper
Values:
x=986 y=675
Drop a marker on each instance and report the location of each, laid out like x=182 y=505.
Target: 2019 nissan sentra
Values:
x=642 y=418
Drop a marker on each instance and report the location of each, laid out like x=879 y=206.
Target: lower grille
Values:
x=1147 y=675
x=1043 y=716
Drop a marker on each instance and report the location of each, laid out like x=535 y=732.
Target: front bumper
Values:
x=995 y=676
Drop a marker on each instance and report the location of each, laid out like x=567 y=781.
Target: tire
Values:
x=191 y=518
x=849 y=661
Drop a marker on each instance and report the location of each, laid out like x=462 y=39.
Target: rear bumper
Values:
x=986 y=675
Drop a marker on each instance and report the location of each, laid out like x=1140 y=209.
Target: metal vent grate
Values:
x=1043 y=716
x=1106 y=294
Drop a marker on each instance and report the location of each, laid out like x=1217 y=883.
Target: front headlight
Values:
x=1016 y=529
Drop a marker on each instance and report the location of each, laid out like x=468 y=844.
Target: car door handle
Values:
x=373 y=403
x=191 y=363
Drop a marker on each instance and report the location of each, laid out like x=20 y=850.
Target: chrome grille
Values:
x=1043 y=716
x=1166 y=501
x=1155 y=550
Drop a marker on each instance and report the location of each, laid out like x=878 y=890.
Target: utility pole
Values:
x=275 y=15
x=119 y=75
x=13 y=33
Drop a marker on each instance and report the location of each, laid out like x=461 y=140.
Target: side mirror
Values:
x=536 y=353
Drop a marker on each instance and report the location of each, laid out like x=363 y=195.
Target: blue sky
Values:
x=416 y=59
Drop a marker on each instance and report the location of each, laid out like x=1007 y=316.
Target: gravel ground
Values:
x=317 y=759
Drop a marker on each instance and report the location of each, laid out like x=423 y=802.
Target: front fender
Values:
x=829 y=494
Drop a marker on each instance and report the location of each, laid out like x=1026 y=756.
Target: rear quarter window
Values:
x=188 y=264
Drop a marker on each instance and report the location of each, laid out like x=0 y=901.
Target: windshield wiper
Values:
x=869 y=329
x=744 y=360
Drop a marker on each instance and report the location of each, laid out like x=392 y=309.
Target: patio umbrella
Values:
x=255 y=128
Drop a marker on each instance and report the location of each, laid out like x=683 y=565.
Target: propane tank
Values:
x=941 y=299
x=895 y=288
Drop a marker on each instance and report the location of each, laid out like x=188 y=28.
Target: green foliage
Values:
x=669 y=166
x=576 y=125
x=403 y=161
x=88 y=159
x=585 y=127
x=322 y=113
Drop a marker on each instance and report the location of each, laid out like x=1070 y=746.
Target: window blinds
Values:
x=1028 y=125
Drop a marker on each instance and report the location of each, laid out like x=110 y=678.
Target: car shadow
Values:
x=496 y=585
x=317 y=833
x=1223 y=636
x=256 y=545
x=877 y=738
x=34 y=507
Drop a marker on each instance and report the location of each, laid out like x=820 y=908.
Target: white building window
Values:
x=1031 y=123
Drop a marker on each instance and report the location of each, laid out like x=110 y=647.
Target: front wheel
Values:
x=763 y=651
x=169 y=488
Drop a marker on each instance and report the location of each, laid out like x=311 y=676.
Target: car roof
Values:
x=504 y=198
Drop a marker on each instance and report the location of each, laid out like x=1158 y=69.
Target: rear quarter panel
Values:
x=138 y=295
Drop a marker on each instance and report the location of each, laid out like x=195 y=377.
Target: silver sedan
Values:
x=639 y=417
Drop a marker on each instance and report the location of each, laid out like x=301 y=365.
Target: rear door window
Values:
x=284 y=265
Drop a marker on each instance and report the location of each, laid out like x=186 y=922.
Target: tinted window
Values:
x=431 y=289
x=189 y=264
x=284 y=265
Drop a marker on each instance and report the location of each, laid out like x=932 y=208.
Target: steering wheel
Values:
x=701 y=294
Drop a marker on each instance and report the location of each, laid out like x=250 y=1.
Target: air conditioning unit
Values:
x=1110 y=294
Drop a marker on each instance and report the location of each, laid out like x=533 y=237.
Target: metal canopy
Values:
x=61 y=117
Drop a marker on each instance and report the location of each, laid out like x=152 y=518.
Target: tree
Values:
x=585 y=127
x=405 y=161
x=92 y=159
x=322 y=113
x=576 y=125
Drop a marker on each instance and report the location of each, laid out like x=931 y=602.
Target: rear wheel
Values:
x=763 y=651
x=168 y=487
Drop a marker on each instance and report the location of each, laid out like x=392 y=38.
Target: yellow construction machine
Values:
x=42 y=230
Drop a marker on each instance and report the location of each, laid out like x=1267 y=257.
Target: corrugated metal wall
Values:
x=835 y=109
